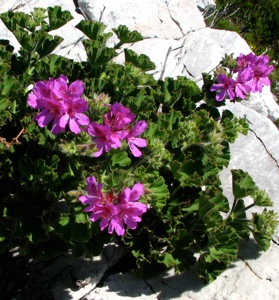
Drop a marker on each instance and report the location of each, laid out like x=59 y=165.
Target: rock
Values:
x=152 y=18
x=257 y=153
x=264 y=103
x=253 y=276
x=205 y=4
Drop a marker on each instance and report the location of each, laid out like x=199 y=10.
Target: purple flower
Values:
x=59 y=104
x=51 y=112
x=133 y=141
x=224 y=87
x=94 y=194
x=115 y=211
x=242 y=87
x=261 y=72
x=104 y=138
x=62 y=91
x=244 y=61
x=115 y=128
x=253 y=72
x=118 y=117
x=73 y=114
x=130 y=210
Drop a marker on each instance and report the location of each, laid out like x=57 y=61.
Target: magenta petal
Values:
x=56 y=129
x=79 y=105
x=135 y=151
x=98 y=153
x=118 y=226
x=104 y=223
x=139 y=128
x=216 y=87
x=60 y=87
x=84 y=199
x=231 y=94
x=131 y=223
x=139 y=142
x=140 y=207
x=76 y=88
x=63 y=121
x=44 y=118
x=41 y=89
x=96 y=216
x=136 y=192
x=34 y=102
x=74 y=127
x=94 y=188
x=82 y=119
x=221 y=96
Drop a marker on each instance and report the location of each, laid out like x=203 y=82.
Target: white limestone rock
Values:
x=264 y=103
x=169 y=19
x=204 y=4
x=71 y=47
x=256 y=153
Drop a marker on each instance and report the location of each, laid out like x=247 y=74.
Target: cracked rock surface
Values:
x=179 y=44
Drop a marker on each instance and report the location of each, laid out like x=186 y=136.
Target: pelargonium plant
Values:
x=97 y=152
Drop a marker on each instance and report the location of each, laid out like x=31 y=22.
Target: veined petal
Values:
x=231 y=94
x=74 y=127
x=135 y=151
x=117 y=226
x=76 y=88
x=221 y=96
x=63 y=120
x=139 y=142
x=44 y=117
x=34 y=101
x=130 y=222
x=82 y=119
x=136 y=192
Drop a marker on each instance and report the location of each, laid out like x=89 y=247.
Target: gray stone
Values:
x=152 y=18
x=204 y=4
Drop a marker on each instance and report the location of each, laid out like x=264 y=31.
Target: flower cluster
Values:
x=114 y=210
x=252 y=74
x=60 y=104
x=117 y=126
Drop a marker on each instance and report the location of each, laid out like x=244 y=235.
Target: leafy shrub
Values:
x=43 y=176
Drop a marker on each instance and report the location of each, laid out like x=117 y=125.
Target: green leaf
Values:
x=238 y=220
x=243 y=184
x=57 y=17
x=81 y=218
x=127 y=36
x=94 y=30
x=47 y=44
x=169 y=261
x=9 y=84
x=222 y=250
x=264 y=226
x=158 y=192
x=261 y=198
x=64 y=220
x=141 y=61
x=4 y=103
x=120 y=159
x=97 y=55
